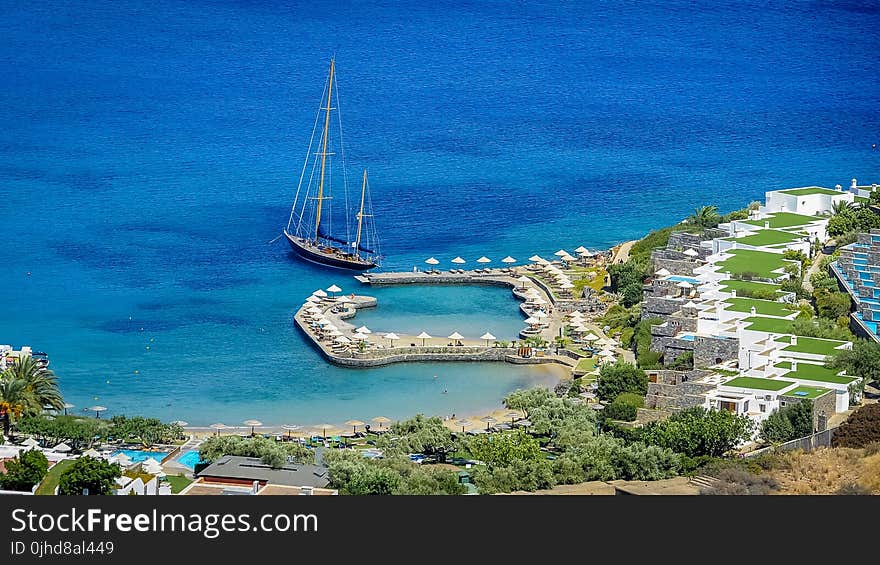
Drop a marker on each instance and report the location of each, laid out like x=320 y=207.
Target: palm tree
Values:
x=12 y=400
x=841 y=207
x=39 y=385
x=705 y=217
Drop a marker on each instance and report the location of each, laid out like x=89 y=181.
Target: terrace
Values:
x=809 y=191
x=757 y=383
x=817 y=373
x=769 y=325
x=762 y=263
x=807 y=392
x=780 y=220
x=749 y=286
x=762 y=238
x=812 y=345
x=762 y=307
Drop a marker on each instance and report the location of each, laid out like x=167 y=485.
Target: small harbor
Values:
x=553 y=317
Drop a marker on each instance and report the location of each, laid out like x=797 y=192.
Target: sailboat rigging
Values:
x=310 y=226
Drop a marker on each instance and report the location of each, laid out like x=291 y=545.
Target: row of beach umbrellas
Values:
x=290 y=428
x=433 y=261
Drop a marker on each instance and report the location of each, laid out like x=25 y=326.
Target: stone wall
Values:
x=708 y=350
x=645 y=415
x=660 y=306
x=825 y=403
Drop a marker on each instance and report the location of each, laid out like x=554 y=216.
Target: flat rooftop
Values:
x=761 y=238
x=811 y=372
x=809 y=392
x=763 y=307
x=810 y=190
x=813 y=345
x=237 y=468
x=762 y=263
x=758 y=383
x=783 y=220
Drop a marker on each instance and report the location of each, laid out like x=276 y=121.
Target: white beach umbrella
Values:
x=561 y=253
x=459 y=261
x=344 y=300
x=591 y=337
x=690 y=304
x=456 y=335
x=523 y=279
x=536 y=258
x=487 y=336
x=684 y=284
x=508 y=260
x=312 y=299
x=97 y=410
x=30 y=442
x=91 y=453
x=391 y=336
x=432 y=261
x=341 y=339
x=566 y=285
x=539 y=314
x=690 y=252
x=580 y=329
x=319 y=293
x=333 y=288
x=423 y=336
x=532 y=320
x=567 y=258
x=484 y=260
x=363 y=330
x=314 y=310
x=582 y=250
x=663 y=273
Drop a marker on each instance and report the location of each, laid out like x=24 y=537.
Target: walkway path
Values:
x=621 y=252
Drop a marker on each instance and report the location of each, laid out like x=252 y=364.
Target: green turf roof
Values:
x=812 y=345
x=738 y=285
x=810 y=190
x=758 y=383
x=745 y=260
x=818 y=373
x=809 y=392
x=769 y=325
x=783 y=220
x=763 y=307
x=762 y=238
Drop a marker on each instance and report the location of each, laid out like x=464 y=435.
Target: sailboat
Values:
x=310 y=227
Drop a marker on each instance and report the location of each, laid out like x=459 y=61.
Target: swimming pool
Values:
x=687 y=337
x=189 y=459
x=137 y=456
x=679 y=278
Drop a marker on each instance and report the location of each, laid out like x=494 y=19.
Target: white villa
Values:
x=722 y=299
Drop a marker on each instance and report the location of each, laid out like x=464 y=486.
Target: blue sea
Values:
x=149 y=151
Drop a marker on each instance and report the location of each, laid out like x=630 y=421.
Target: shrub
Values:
x=732 y=481
x=96 y=475
x=698 y=431
x=789 y=422
x=25 y=471
x=621 y=377
x=624 y=407
x=860 y=429
x=684 y=362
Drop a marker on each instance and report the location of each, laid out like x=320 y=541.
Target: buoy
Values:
x=148 y=347
x=108 y=382
x=28 y=273
x=136 y=372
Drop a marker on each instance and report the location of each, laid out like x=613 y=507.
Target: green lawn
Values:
x=747 y=261
x=586 y=365
x=783 y=220
x=178 y=483
x=810 y=190
x=812 y=345
x=761 y=238
x=50 y=481
x=807 y=392
x=758 y=383
x=818 y=373
x=763 y=307
x=769 y=325
x=738 y=286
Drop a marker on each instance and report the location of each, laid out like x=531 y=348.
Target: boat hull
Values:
x=334 y=258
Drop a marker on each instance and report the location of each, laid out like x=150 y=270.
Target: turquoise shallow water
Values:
x=148 y=153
